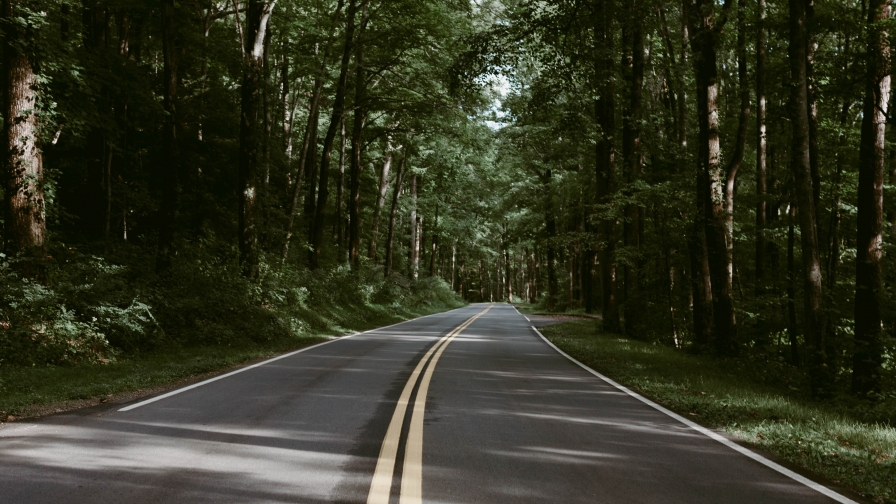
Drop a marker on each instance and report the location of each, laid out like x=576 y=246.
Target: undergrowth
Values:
x=765 y=403
x=103 y=316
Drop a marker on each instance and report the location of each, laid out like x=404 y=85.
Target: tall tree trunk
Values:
x=396 y=192
x=669 y=277
x=257 y=15
x=453 y=259
x=418 y=245
x=836 y=200
x=704 y=29
x=435 y=243
x=701 y=282
x=266 y=107
x=632 y=159
x=811 y=96
x=309 y=143
x=168 y=207
x=481 y=280
x=318 y=224
x=360 y=115
x=792 y=327
x=25 y=226
x=820 y=374
x=505 y=245
x=605 y=112
x=587 y=266
x=287 y=114
x=551 y=228
x=380 y=200
x=869 y=341
x=311 y=182
x=414 y=242
x=340 y=194
x=761 y=147
x=125 y=24
x=740 y=141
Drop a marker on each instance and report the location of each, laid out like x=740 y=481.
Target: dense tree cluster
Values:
x=221 y=138
x=708 y=173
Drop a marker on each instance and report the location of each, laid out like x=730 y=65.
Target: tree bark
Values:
x=380 y=200
x=309 y=143
x=836 y=200
x=820 y=374
x=168 y=206
x=266 y=107
x=435 y=243
x=360 y=115
x=761 y=147
x=311 y=181
x=340 y=194
x=605 y=112
x=257 y=15
x=792 y=326
x=704 y=30
x=396 y=192
x=505 y=245
x=414 y=242
x=453 y=262
x=286 y=116
x=25 y=226
x=869 y=339
x=551 y=229
x=632 y=160
x=811 y=96
x=701 y=282
x=317 y=227
x=740 y=141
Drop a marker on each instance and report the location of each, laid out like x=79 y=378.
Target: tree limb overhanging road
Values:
x=470 y=405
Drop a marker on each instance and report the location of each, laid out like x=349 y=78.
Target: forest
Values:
x=709 y=176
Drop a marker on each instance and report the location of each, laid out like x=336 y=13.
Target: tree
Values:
x=633 y=68
x=380 y=200
x=605 y=112
x=805 y=200
x=704 y=28
x=360 y=115
x=25 y=230
x=761 y=146
x=393 y=214
x=318 y=224
x=257 y=16
x=869 y=346
x=168 y=207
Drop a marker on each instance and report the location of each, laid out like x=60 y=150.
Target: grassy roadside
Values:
x=31 y=391
x=748 y=400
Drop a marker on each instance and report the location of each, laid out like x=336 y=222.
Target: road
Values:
x=465 y=406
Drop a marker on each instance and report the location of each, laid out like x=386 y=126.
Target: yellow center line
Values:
x=412 y=472
x=381 y=486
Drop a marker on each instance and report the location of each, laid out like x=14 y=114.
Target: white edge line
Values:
x=262 y=363
x=714 y=435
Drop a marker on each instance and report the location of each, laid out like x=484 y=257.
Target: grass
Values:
x=763 y=403
x=44 y=389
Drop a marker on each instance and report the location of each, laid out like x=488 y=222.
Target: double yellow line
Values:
x=412 y=471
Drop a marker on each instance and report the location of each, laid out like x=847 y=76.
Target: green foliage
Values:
x=97 y=310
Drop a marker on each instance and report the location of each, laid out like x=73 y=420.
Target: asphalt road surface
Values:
x=465 y=406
